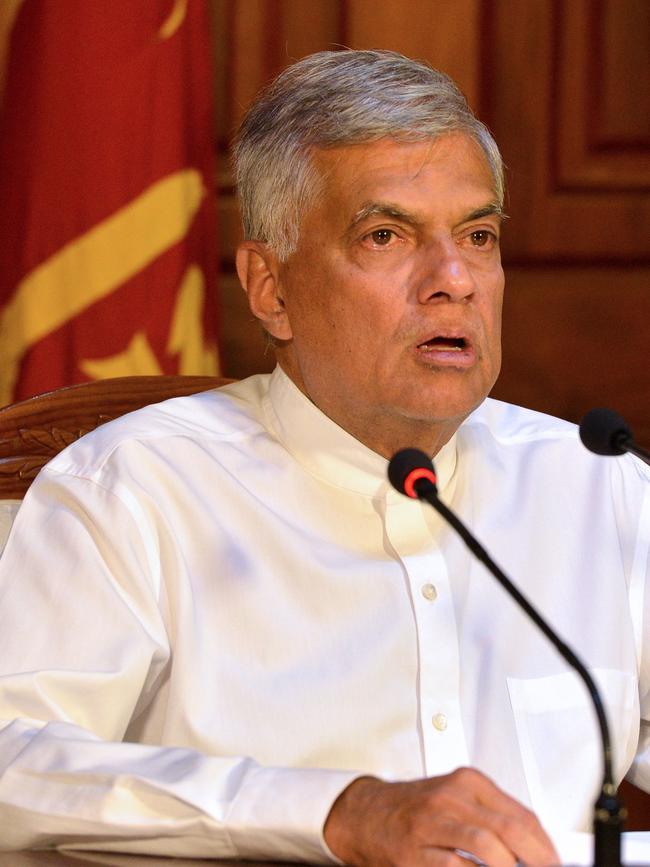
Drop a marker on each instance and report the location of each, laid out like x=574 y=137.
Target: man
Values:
x=233 y=638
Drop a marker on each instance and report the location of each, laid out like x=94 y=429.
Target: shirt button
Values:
x=429 y=592
x=439 y=721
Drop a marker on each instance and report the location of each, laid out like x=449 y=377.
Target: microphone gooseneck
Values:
x=411 y=472
x=605 y=432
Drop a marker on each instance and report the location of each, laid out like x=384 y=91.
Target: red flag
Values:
x=107 y=217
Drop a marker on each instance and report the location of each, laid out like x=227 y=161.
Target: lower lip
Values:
x=441 y=356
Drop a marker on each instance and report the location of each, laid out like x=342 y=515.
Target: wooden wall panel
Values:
x=581 y=202
x=602 y=114
x=576 y=249
x=573 y=340
x=620 y=93
x=446 y=34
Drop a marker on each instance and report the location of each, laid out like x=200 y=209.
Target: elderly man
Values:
x=233 y=638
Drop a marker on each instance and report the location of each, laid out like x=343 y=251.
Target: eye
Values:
x=482 y=238
x=382 y=237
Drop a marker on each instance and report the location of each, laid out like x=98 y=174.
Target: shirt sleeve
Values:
x=83 y=650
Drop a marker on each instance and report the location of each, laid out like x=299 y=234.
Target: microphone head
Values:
x=604 y=432
x=408 y=466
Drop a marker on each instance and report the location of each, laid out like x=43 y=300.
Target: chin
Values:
x=437 y=408
x=435 y=416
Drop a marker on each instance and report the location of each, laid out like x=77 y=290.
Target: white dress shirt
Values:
x=215 y=613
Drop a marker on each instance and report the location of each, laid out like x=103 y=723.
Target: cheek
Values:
x=352 y=311
x=322 y=325
x=341 y=307
x=495 y=330
x=494 y=299
x=308 y=306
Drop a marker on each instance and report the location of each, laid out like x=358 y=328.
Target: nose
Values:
x=445 y=275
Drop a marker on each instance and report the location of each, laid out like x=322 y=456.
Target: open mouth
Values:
x=446 y=344
x=447 y=350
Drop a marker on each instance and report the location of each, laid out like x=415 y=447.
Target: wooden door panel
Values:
x=583 y=193
x=572 y=340
x=445 y=34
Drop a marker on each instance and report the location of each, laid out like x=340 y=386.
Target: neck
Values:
x=387 y=436
x=383 y=432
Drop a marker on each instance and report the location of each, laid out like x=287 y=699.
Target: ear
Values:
x=258 y=271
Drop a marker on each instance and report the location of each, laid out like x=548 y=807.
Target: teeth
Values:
x=448 y=344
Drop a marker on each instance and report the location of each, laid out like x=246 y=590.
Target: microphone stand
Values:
x=609 y=813
x=627 y=444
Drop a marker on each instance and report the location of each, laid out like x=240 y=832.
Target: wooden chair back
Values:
x=35 y=430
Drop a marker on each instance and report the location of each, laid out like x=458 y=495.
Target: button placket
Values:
x=437 y=638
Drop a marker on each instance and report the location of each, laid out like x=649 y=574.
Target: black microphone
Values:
x=605 y=432
x=411 y=472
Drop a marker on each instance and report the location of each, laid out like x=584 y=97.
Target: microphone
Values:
x=411 y=472
x=605 y=432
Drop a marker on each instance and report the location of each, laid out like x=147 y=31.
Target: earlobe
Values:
x=258 y=271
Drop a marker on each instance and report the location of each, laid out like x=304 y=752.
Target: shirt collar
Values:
x=328 y=451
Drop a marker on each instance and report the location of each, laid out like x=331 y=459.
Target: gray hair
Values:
x=336 y=98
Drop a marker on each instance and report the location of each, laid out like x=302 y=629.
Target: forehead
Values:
x=438 y=174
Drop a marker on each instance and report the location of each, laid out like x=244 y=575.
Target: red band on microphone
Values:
x=414 y=476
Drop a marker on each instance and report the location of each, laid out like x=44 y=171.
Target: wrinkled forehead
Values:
x=356 y=175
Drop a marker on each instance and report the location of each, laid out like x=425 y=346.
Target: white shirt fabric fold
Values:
x=215 y=613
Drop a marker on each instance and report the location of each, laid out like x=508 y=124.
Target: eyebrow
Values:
x=386 y=209
x=382 y=209
x=494 y=209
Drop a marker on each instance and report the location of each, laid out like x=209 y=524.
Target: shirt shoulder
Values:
x=506 y=432
x=508 y=423
x=231 y=413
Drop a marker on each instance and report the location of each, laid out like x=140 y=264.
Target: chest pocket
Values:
x=560 y=745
